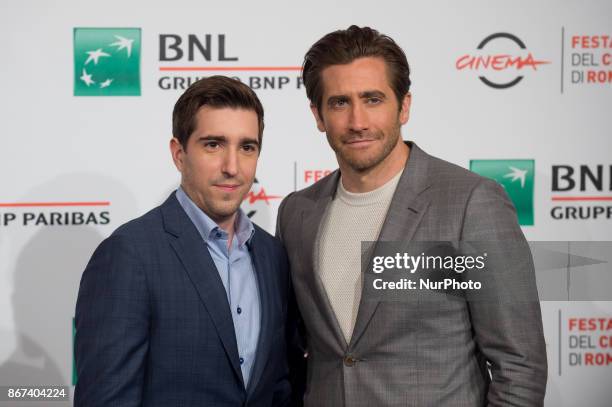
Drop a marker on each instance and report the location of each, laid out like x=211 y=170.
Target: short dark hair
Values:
x=343 y=47
x=215 y=91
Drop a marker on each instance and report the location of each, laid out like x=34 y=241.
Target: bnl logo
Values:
x=107 y=61
x=517 y=178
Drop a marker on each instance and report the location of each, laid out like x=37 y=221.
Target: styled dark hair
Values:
x=343 y=47
x=215 y=91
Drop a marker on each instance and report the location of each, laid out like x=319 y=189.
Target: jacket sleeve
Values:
x=295 y=334
x=507 y=329
x=112 y=325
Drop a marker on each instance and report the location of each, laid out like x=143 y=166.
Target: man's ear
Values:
x=315 y=112
x=176 y=149
x=404 y=113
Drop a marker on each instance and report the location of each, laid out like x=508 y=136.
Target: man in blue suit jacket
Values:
x=187 y=305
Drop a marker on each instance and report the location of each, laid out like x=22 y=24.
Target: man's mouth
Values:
x=228 y=187
x=359 y=142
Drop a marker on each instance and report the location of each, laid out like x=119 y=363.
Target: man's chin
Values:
x=361 y=162
x=224 y=209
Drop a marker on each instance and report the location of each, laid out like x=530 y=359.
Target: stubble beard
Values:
x=359 y=163
x=221 y=206
x=228 y=204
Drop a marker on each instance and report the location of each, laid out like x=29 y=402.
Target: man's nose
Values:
x=358 y=119
x=230 y=163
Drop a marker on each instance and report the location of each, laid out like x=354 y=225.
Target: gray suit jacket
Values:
x=412 y=353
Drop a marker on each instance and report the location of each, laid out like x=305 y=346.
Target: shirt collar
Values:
x=208 y=228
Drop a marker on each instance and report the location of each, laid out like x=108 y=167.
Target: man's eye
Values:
x=211 y=144
x=338 y=103
x=249 y=148
x=374 y=101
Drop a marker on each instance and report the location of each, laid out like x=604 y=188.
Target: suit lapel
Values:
x=311 y=222
x=407 y=207
x=200 y=267
x=262 y=270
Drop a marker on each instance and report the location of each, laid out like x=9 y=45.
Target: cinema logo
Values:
x=186 y=58
x=501 y=60
x=257 y=200
x=582 y=192
x=41 y=214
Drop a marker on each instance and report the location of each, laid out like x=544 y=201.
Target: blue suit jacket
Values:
x=153 y=324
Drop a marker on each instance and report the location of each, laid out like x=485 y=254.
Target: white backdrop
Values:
x=107 y=157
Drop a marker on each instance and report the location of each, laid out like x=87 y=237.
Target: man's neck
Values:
x=225 y=223
x=375 y=177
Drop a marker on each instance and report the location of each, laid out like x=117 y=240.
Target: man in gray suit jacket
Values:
x=364 y=352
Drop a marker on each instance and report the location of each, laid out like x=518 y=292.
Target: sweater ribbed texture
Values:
x=349 y=219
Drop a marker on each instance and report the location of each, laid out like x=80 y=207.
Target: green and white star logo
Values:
x=107 y=61
x=517 y=177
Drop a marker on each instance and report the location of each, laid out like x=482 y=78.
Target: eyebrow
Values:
x=372 y=93
x=362 y=95
x=243 y=140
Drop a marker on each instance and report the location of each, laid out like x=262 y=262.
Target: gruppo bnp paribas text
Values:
x=72 y=218
x=211 y=55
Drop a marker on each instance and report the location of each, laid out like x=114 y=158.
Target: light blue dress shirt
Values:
x=237 y=274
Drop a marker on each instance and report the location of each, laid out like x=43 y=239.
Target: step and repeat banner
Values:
x=517 y=91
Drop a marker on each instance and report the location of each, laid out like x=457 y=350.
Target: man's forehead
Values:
x=362 y=75
x=226 y=121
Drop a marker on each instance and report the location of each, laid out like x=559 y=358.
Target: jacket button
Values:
x=349 y=361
